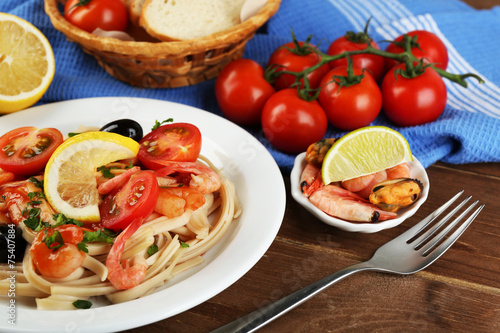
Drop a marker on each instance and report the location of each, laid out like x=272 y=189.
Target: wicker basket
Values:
x=164 y=64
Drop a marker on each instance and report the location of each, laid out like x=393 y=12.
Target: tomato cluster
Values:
x=346 y=87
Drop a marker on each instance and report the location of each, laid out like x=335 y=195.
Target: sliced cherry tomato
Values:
x=171 y=142
x=350 y=107
x=373 y=63
x=413 y=101
x=88 y=15
x=430 y=47
x=290 y=123
x=26 y=150
x=241 y=91
x=136 y=199
x=288 y=57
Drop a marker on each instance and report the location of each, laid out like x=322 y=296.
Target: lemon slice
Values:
x=70 y=185
x=26 y=64
x=364 y=151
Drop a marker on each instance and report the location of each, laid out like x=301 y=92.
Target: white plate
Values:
x=259 y=185
x=417 y=171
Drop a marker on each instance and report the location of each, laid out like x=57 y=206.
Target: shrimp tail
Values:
x=126 y=275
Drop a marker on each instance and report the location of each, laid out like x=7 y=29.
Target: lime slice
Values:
x=70 y=184
x=364 y=151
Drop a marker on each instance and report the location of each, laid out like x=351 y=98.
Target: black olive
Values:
x=126 y=127
x=12 y=243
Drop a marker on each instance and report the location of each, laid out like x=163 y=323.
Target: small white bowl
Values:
x=417 y=171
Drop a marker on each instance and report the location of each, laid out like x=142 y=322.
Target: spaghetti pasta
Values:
x=180 y=243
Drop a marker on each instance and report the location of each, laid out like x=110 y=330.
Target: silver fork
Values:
x=408 y=253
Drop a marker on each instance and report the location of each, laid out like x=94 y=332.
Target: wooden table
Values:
x=458 y=293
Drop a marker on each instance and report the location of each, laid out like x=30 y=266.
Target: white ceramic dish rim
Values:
x=417 y=171
x=245 y=161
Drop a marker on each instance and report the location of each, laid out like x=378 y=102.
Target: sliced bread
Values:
x=188 y=19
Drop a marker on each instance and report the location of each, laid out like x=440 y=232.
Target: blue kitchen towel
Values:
x=467 y=131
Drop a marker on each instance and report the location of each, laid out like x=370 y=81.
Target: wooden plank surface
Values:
x=460 y=292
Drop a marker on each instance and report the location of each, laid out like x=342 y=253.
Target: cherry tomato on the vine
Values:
x=413 y=101
x=26 y=150
x=350 y=107
x=372 y=62
x=430 y=47
x=288 y=57
x=89 y=15
x=290 y=123
x=241 y=91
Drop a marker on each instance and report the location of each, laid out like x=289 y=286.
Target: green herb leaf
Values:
x=82 y=247
x=184 y=244
x=61 y=219
x=99 y=236
x=152 y=249
x=158 y=124
x=82 y=304
x=106 y=172
x=38 y=183
x=55 y=241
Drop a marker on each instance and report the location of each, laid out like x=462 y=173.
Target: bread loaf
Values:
x=188 y=19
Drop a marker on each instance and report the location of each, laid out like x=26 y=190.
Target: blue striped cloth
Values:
x=467 y=131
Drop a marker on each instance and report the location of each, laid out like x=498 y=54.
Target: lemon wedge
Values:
x=364 y=151
x=27 y=64
x=69 y=183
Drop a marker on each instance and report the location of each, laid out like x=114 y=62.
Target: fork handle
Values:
x=257 y=319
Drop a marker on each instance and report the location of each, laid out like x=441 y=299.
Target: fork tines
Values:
x=425 y=234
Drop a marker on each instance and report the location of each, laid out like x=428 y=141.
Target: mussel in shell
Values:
x=391 y=195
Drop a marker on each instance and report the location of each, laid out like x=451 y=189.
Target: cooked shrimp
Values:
x=16 y=202
x=174 y=201
x=341 y=203
x=310 y=179
x=399 y=171
x=363 y=185
x=202 y=177
x=128 y=274
x=110 y=184
x=58 y=260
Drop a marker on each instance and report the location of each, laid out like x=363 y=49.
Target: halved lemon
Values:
x=364 y=151
x=27 y=64
x=70 y=185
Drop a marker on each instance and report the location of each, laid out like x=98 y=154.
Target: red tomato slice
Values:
x=136 y=199
x=172 y=142
x=26 y=150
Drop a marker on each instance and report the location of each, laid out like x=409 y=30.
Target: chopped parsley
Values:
x=184 y=244
x=152 y=249
x=82 y=304
x=106 y=172
x=55 y=241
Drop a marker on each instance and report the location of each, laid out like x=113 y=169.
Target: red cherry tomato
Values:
x=171 y=142
x=241 y=91
x=430 y=48
x=296 y=61
x=290 y=123
x=413 y=101
x=26 y=150
x=89 y=15
x=136 y=199
x=373 y=63
x=350 y=107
